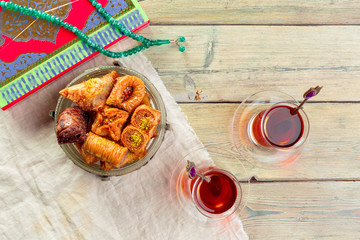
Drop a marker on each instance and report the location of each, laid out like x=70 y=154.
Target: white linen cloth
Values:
x=45 y=196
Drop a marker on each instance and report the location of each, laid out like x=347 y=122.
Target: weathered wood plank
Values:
x=332 y=150
x=311 y=210
x=252 y=12
x=250 y=59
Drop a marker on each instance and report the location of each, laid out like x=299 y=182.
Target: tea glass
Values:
x=218 y=164
x=267 y=130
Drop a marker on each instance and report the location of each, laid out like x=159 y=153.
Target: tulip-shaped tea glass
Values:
x=210 y=183
x=269 y=128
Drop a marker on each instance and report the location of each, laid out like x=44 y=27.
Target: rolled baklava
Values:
x=105 y=149
x=146 y=119
x=135 y=140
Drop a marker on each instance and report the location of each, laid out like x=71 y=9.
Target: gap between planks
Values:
x=250 y=25
x=254 y=180
x=238 y=102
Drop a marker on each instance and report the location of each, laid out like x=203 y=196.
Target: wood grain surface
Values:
x=231 y=12
x=303 y=210
x=238 y=47
x=253 y=58
x=332 y=150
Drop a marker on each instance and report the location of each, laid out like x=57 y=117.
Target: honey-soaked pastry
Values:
x=91 y=95
x=130 y=157
x=127 y=93
x=134 y=139
x=105 y=149
x=71 y=125
x=106 y=166
x=110 y=122
x=89 y=158
x=146 y=100
x=146 y=119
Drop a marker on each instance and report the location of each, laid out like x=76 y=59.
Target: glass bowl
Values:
x=157 y=103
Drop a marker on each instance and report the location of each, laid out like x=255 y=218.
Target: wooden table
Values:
x=235 y=48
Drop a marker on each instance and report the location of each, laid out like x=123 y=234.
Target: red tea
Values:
x=218 y=195
x=281 y=128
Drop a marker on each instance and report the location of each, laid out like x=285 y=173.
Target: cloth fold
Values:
x=45 y=196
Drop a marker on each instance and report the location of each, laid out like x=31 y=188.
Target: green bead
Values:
x=122 y=28
x=81 y=35
x=135 y=36
x=125 y=30
x=2 y=4
x=140 y=38
x=35 y=14
x=42 y=15
x=101 y=10
x=126 y=54
x=57 y=20
x=66 y=25
x=98 y=5
x=182 y=39
x=182 y=49
x=112 y=21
